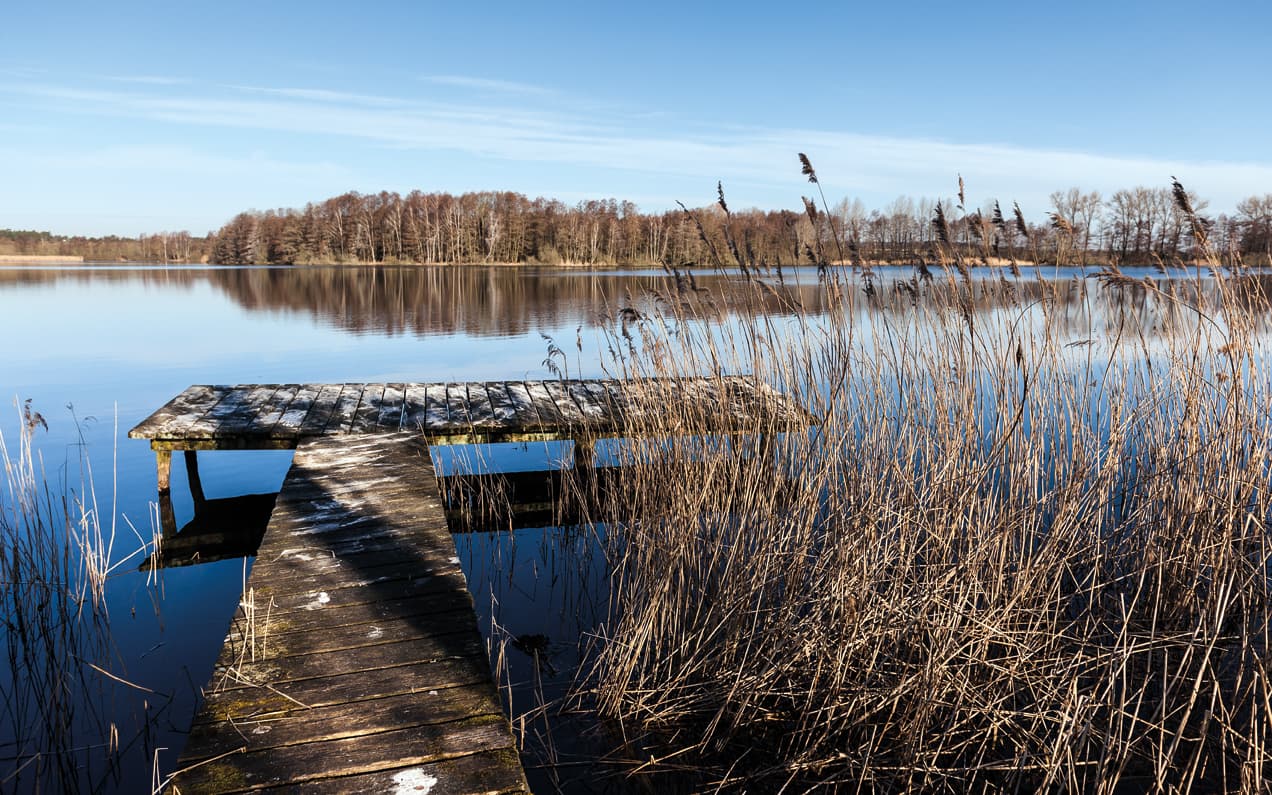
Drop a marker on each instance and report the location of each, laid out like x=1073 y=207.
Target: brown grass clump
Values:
x=1025 y=545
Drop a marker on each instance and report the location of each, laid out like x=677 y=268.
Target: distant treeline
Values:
x=161 y=247
x=1140 y=225
x=1135 y=226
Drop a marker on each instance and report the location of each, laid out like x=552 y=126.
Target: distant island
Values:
x=1134 y=226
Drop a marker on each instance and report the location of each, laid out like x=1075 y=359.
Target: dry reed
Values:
x=1024 y=545
x=56 y=689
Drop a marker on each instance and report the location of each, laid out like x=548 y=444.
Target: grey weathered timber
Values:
x=354 y=663
x=274 y=416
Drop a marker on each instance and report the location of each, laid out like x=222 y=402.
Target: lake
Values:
x=98 y=348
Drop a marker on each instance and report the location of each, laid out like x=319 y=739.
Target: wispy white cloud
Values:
x=486 y=84
x=183 y=161
x=324 y=96
x=146 y=80
x=762 y=161
x=24 y=72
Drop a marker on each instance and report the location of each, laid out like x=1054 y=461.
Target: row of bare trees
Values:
x=161 y=247
x=1134 y=226
x=1140 y=225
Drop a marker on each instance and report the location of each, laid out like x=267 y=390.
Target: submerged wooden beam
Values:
x=354 y=660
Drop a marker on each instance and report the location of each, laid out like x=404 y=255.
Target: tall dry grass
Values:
x=58 y=708
x=1024 y=545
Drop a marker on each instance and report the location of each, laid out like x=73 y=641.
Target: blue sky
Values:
x=141 y=117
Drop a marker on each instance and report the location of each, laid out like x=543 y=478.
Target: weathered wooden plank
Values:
x=414 y=407
x=340 y=546
x=321 y=411
x=296 y=665
x=342 y=413
x=294 y=724
x=327 y=759
x=298 y=410
x=623 y=397
x=487 y=772
x=440 y=607
x=457 y=406
x=290 y=564
x=559 y=397
x=436 y=411
x=240 y=703
x=598 y=396
x=501 y=406
x=294 y=531
x=368 y=411
x=259 y=399
x=481 y=414
x=286 y=639
x=369 y=589
x=234 y=411
x=390 y=418
x=753 y=405
x=273 y=410
x=333 y=527
x=764 y=398
x=592 y=410
x=191 y=404
x=224 y=443
x=527 y=416
x=345 y=576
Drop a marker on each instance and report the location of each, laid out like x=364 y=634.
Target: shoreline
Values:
x=40 y=259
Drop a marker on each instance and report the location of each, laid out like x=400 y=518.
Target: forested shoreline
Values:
x=159 y=247
x=1135 y=226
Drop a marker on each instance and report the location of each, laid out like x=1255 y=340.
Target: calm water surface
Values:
x=99 y=348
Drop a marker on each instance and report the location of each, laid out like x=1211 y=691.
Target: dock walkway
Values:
x=354 y=662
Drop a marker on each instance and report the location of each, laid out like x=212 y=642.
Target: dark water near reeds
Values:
x=98 y=348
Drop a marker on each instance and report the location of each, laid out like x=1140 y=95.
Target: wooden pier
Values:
x=354 y=662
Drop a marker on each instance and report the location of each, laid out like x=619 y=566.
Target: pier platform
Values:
x=354 y=662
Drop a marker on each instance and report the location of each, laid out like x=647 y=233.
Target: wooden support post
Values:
x=766 y=446
x=585 y=469
x=192 y=475
x=163 y=467
x=584 y=455
x=167 y=516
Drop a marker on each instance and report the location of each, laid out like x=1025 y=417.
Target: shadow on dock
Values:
x=354 y=662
